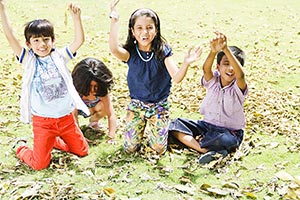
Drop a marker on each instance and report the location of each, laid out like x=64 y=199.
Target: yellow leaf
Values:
x=109 y=191
x=250 y=195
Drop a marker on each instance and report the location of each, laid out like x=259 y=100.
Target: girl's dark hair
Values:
x=92 y=69
x=237 y=52
x=38 y=28
x=158 y=42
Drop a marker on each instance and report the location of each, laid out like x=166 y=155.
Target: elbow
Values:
x=113 y=49
x=176 y=80
x=82 y=40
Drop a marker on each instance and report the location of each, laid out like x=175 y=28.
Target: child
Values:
x=48 y=94
x=221 y=130
x=93 y=80
x=151 y=68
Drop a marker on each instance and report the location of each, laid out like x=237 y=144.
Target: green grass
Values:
x=268 y=31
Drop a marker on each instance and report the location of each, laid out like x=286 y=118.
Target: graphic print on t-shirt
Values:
x=47 y=81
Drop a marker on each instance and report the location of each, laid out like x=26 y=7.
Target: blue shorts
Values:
x=213 y=138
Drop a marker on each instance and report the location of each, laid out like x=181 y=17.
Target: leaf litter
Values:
x=268 y=111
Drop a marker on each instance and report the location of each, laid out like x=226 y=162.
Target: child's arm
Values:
x=112 y=121
x=216 y=44
x=7 y=29
x=237 y=67
x=75 y=114
x=114 y=46
x=178 y=74
x=78 y=29
x=238 y=70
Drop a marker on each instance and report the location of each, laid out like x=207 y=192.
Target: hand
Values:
x=110 y=141
x=193 y=55
x=113 y=5
x=2 y=4
x=74 y=9
x=218 y=43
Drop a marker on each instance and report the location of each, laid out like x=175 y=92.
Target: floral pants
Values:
x=146 y=123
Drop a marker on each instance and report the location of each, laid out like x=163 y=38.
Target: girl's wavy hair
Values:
x=92 y=69
x=158 y=42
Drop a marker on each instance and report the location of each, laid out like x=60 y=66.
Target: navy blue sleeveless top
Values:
x=148 y=81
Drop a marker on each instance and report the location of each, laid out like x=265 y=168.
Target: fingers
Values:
x=220 y=36
x=189 y=51
x=74 y=8
x=199 y=50
x=113 y=4
x=110 y=141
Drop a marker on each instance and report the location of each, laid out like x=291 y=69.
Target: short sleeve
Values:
x=21 y=57
x=168 y=51
x=211 y=82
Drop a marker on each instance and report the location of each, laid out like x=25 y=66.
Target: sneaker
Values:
x=211 y=155
x=18 y=143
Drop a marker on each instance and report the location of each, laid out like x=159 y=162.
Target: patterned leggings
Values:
x=146 y=123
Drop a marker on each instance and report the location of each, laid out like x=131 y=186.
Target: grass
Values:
x=266 y=30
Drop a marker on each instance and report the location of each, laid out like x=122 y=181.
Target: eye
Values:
x=150 y=28
x=226 y=63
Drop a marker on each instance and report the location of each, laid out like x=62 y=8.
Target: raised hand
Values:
x=193 y=55
x=113 y=5
x=2 y=4
x=218 y=43
x=74 y=9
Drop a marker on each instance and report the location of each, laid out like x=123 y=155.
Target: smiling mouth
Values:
x=229 y=74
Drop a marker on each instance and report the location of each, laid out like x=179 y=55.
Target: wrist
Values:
x=114 y=15
x=213 y=51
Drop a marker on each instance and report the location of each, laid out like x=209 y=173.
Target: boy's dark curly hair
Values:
x=92 y=69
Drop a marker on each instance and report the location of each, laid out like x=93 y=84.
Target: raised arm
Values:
x=8 y=31
x=114 y=46
x=216 y=45
x=78 y=29
x=178 y=74
x=237 y=68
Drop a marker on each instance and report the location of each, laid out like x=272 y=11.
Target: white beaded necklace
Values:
x=143 y=59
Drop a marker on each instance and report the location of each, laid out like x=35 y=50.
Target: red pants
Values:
x=48 y=133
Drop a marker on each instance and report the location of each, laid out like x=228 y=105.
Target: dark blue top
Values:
x=148 y=81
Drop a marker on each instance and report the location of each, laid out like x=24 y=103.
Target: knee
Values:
x=229 y=142
x=41 y=165
x=83 y=153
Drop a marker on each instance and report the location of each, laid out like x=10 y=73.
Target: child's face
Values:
x=41 y=45
x=226 y=71
x=144 y=31
x=93 y=88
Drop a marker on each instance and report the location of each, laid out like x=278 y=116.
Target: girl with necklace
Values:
x=151 y=69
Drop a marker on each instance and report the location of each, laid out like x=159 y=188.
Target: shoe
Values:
x=18 y=143
x=211 y=155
